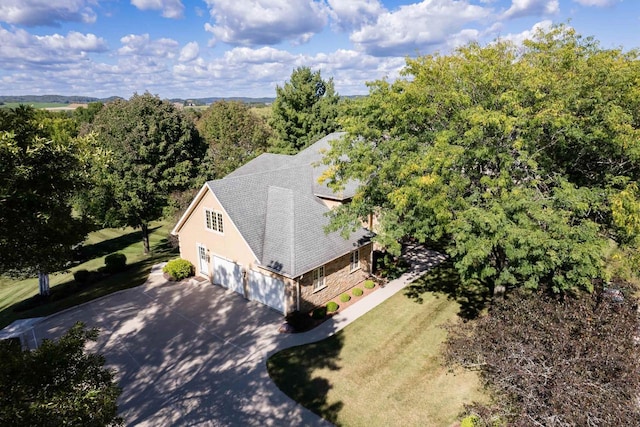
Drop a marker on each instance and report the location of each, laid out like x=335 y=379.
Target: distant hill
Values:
x=61 y=99
x=212 y=99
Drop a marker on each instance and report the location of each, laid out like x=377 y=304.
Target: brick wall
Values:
x=338 y=279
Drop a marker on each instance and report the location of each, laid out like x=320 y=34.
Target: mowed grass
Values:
x=385 y=369
x=98 y=245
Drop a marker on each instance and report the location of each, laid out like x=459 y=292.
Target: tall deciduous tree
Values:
x=304 y=111
x=40 y=163
x=60 y=383
x=510 y=156
x=152 y=150
x=234 y=135
x=554 y=361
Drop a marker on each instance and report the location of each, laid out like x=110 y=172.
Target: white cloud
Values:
x=518 y=38
x=249 y=71
x=417 y=27
x=520 y=8
x=46 y=12
x=19 y=48
x=265 y=22
x=142 y=45
x=169 y=8
x=245 y=55
x=189 y=52
x=599 y=3
x=354 y=13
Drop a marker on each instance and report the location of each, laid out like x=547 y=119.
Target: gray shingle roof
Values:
x=310 y=156
x=273 y=204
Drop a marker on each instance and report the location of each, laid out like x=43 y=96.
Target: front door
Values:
x=202 y=260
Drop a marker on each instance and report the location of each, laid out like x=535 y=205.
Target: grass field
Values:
x=98 y=244
x=384 y=369
x=263 y=111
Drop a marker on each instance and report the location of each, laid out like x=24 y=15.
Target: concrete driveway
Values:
x=188 y=354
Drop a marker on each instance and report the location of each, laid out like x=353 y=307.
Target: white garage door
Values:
x=227 y=274
x=267 y=290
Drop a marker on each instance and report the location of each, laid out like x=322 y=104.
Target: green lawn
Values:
x=97 y=246
x=384 y=369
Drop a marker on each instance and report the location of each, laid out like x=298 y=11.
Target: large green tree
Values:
x=58 y=384
x=305 y=110
x=40 y=171
x=150 y=150
x=234 y=135
x=510 y=156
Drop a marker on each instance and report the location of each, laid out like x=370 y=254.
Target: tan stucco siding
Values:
x=229 y=244
x=330 y=203
x=338 y=279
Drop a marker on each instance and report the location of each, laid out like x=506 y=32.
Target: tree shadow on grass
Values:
x=293 y=370
x=106 y=247
x=444 y=279
x=70 y=293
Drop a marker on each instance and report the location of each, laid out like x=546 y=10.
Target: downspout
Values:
x=298 y=291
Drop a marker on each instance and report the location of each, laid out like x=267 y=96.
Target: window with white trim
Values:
x=355 y=260
x=213 y=220
x=318 y=279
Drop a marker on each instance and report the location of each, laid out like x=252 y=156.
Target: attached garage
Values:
x=267 y=290
x=227 y=274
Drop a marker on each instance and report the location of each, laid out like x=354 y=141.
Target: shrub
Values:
x=115 y=263
x=587 y=343
x=345 y=297
x=82 y=276
x=357 y=292
x=332 y=306
x=470 y=421
x=179 y=269
x=300 y=322
x=369 y=284
x=319 y=313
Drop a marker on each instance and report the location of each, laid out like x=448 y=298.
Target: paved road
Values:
x=195 y=354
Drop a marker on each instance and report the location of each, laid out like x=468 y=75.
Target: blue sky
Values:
x=225 y=48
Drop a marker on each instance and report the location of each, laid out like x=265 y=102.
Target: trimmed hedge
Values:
x=179 y=269
x=319 y=313
x=115 y=263
x=369 y=284
x=345 y=297
x=300 y=322
x=82 y=276
x=332 y=306
x=357 y=292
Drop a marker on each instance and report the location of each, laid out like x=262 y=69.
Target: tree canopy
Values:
x=40 y=171
x=234 y=135
x=513 y=157
x=57 y=384
x=304 y=111
x=554 y=361
x=150 y=150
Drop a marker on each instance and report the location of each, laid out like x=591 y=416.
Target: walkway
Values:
x=196 y=354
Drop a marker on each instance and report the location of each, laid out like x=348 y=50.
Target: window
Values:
x=318 y=279
x=213 y=220
x=355 y=260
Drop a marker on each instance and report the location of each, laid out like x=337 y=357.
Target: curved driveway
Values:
x=195 y=354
